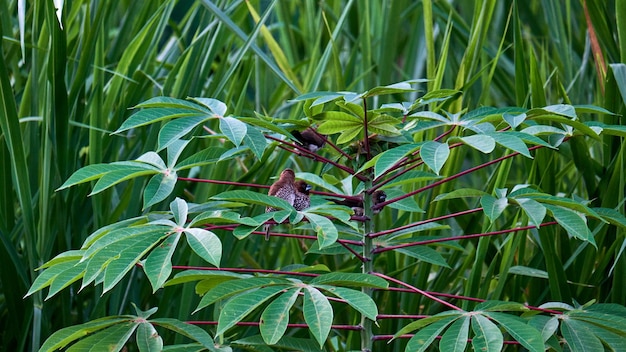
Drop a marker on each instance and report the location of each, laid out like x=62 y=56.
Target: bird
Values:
x=284 y=188
x=310 y=139
x=357 y=204
x=302 y=200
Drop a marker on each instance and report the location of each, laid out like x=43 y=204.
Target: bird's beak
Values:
x=308 y=187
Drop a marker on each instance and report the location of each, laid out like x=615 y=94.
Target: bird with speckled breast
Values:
x=285 y=189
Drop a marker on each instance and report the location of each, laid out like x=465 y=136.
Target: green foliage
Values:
x=503 y=170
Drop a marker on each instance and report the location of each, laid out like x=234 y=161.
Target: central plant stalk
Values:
x=368 y=265
x=368 y=228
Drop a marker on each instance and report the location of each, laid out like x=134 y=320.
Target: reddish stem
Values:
x=422 y=222
x=417 y=290
x=253 y=323
x=463 y=237
x=450 y=178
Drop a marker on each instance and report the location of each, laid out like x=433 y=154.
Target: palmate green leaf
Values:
x=69 y=256
x=114 y=337
x=124 y=255
x=65 y=336
x=384 y=129
x=567 y=203
x=572 y=222
x=318 y=314
x=204 y=157
x=411 y=177
x=611 y=130
x=436 y=96
x=558 y=109
x=511 y=141
x=418 y=324
x=275 y=317
x=514 y=120
x=425 y=337
x=120 y=234
x=66 y=278
x=158 y=264
x=588 y=131
x=350 y=279
x=167 y=102
x=487 y=336
x=455 y=337
x=148 y=339
x=386 y=160
x=442 y=120
x=533 y=209
x=423 y=253
x=112 y=178
x=106 y=230
x=406 y=204
x=286 y=343
x=324 y=228
x=233 y=129
x=203 y=275
x=188 y=347
x=349 y=135
x=242 y=304
x=611 y=320
x=480 y=142
x=191 y=331
x=224 y=217
x=179 y=209
x=493 y=207
x=176 y=129
x=233 y=287
x=614 y=338
x=546 y=325
x=153 y=159
x=337 y=116
x=434 y=155
x=93 y=172
x=338 y=126
x=315 y=180
x=578 y=337
x=358 y=300
x=206 y=244
x=255 y=140
x=174 y=151
x=45 y=278
x=217 y=107
x=154 y=115
x=400 y=87
x=315 y=95
x=523 y=333
x=254 y=198
x=158 y=188
x=461 y=193
x=494 y=306
x=260 y=121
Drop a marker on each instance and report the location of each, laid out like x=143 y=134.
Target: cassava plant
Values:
x=347 y=274
x=507 y=240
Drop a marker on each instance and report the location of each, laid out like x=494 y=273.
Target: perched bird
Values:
x=357 y=204
x=284 y=188
x=302 y=200
x=309 y=139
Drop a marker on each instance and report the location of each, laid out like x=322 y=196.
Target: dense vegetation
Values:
x=138 y=139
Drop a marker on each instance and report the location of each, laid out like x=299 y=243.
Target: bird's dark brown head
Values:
x=379 y=197
x=303 y=187
x=288 y=175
